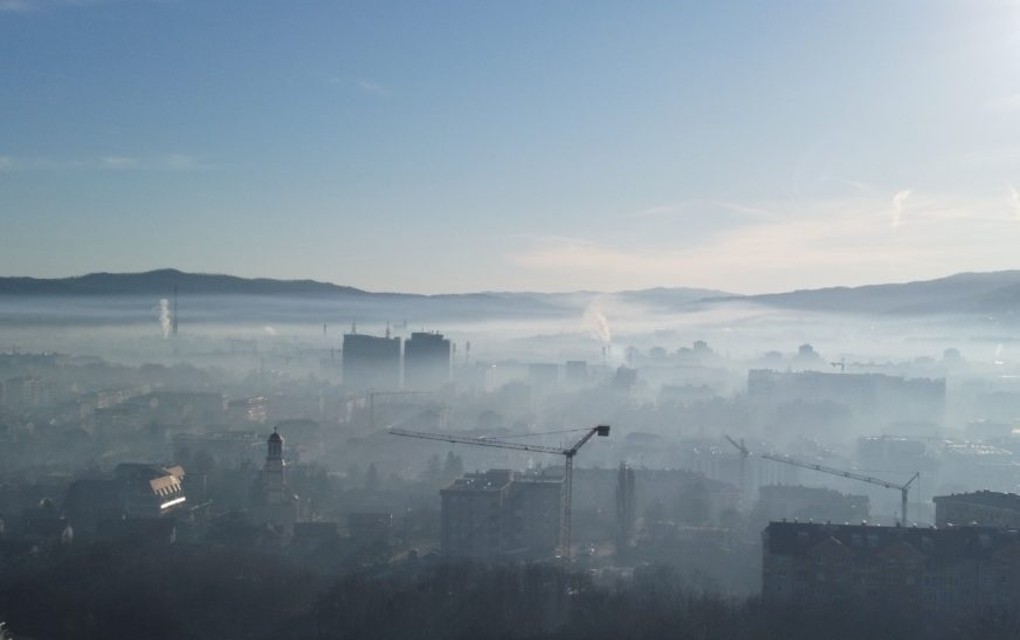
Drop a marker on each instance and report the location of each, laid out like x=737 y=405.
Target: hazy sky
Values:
x=548 y=145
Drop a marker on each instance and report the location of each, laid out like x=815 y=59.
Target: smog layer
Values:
x=344 y=455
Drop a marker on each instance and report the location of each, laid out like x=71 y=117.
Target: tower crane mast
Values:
x=568 y=462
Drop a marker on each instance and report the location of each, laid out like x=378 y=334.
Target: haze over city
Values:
x=522 y=320
x=469 y=146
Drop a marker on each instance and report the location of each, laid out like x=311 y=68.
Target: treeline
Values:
x=101 y=592
x=467 y=602
x=104 y=591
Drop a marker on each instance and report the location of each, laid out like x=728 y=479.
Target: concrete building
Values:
x=27 y=392
x=426 y=361
x=500 y=514
x=982 y=508
x=150 y=491
x=789 y=502
x=951 y=569
x=373 y=527
x=544 y=377
x=228 y=449
x=814 y=397
x=576 y=372
x=132 y=491
x=676 y=495
x=371 y=363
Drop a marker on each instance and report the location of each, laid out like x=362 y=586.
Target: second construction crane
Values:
x=902 y=488
x=568 y=454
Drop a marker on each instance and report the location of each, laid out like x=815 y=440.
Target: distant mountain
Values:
x=100 y=298
x=162 y=281
x=963 y=293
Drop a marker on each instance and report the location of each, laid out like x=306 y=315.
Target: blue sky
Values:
x=422 y=146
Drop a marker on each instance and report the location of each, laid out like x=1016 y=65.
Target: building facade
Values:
x=982 y=508
x=134 y=491
x=789 y=502
x=371 y=363
x=945 y=569
x=867 y=398
x=501 y=514
x=427 y=358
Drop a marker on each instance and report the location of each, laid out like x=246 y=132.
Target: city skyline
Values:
x=470 y=146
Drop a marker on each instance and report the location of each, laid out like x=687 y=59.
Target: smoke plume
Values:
x=594 y=317
x=164 y=317
x=897 y=203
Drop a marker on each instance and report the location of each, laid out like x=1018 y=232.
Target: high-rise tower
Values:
x=427 y=359
x=371 y=363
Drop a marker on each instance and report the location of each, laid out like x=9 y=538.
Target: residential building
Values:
x=945 y=569
x=371 y=363
x=132 y=491
x=501 y=514
x=982 y=508
x=789 y=502
x=839 y=399
x=426 y=361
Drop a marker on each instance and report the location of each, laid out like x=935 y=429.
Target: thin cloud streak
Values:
x=842 y=242
x=1006 y=103
x=17 y=6
x=361 y=85
x=119 y=162
x=29 y=6
x=373 y=88
x=173 y=162
x=688 y=207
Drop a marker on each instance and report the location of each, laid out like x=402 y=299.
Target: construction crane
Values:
x=744 y=455
x=568 y=464
x=902 y=488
